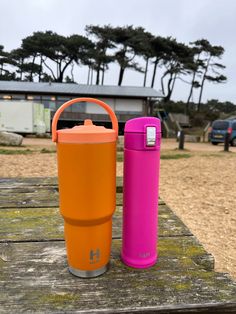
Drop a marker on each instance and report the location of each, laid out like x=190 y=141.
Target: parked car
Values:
x=220 y=128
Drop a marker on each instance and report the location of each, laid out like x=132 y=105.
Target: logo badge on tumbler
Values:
x=94 y=256
x=86 y=156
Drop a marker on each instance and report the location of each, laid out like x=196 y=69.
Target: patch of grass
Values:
x=213 y=154
x=175 y=156
x=47 y=151
x=183 y=150
x=120 y=157
x=15 y=152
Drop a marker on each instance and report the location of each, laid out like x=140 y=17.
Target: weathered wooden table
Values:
x=34 y=275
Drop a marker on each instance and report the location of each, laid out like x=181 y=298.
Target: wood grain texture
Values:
x=34 y=275
x=38 y=192
x=37 y=197
x=35 y=278
x=9 y=183
x=6 y=183
x=45 y=224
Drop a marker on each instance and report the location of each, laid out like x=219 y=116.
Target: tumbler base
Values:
x=89 y=273
x=138 y=264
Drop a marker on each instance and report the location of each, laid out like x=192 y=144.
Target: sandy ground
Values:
x=200 y=189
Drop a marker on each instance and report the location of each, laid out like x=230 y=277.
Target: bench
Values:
x=34 y=275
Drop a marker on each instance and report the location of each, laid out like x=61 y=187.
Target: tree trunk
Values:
x=31 y=72
x=48 y=67
x=98 y=76
x=192 y=83
x=162 y=83
x=121 y=75
x=40 y=71
x=154 y=72
x=91 y=78
x=202 y=84
x=88 y=78
x=173 y=85
x=169 y=90
x=60 y=78
x=191 y=89
x=72 y=72
x=103 y=75
x=200 y=95
x=145 y=73
x=21 y=72
x=59 y=73
x=62 y=71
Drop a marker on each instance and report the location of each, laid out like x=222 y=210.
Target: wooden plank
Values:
x=6 y=183
x=35 y=192
x=29 y=197
x=184 y=251
x=35 y=278
x=37 y=224
x=38 y=192
x=9 y=183
x=46 y=224
x=37 y=197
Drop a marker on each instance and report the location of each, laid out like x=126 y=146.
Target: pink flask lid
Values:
x=138 y=125
x=143 y=134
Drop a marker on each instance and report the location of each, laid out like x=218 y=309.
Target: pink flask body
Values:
x=142 y=139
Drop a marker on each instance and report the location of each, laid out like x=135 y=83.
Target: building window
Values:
x=61 y=100
x=79 y=107
x=34 y=98
x=49 y=104
x=6 y=97
x=49 y=101
x=18 y=97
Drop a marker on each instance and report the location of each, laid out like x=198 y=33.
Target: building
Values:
x=127 y=101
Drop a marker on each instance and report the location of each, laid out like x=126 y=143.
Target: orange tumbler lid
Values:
x=87 y=133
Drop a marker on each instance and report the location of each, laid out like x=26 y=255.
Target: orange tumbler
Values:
x=86 y=157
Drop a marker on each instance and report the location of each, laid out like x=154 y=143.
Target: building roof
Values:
x=77 y=89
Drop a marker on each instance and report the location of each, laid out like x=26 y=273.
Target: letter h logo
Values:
x=94 y=256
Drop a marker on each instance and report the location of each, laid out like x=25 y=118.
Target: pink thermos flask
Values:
x=142 y=139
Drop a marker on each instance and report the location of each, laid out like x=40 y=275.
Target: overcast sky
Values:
x=186 y=20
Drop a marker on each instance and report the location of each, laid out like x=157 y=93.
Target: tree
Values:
x=127 y=41
x=19 y=58
x=143 y=47
x=5 y=61
x=160 y=49
x=99 y=57
x=33 y=46
x=195 y=69
x=63 y=51
x=176 y=61
x=226 y=107
x=79 y=50
x=208 y=64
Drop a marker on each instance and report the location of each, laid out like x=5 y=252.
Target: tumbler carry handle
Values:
x=83 y=99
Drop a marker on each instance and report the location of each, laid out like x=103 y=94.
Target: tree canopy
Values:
x=48 y=56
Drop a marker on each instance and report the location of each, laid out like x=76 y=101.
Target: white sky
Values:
x=186 y=20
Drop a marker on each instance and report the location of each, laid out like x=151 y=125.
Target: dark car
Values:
x=220 y=128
